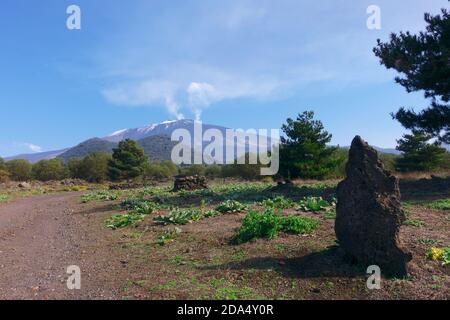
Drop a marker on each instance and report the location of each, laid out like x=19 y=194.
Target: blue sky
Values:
x=241 y=64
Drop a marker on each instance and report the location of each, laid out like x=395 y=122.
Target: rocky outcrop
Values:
x=369 y=214
x=190 y=183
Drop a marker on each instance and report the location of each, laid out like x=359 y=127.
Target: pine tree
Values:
x=127 y=161
x=418 y=154
x=304 y=152
x=423 y=61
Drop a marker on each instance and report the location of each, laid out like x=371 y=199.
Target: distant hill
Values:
x=36 y=157
x=87 y=147
x=155 y=147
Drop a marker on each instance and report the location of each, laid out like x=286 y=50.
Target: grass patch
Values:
x=414 y=223
x=168 y=236
x=232 y=293
x=443 y=204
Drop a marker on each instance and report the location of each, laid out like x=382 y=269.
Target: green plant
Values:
x=231 y=206
x=279 y=202
x=330 y=215
x=313 y=204
x=139 y=206
x=211 y=213
x=438 y=254
x=299 y=225
x=179 y=216
x=168 y=236
x=443 y=204
x=101 y=195
x=414 y=223
x=258 y=225
x=122 y=220
x=4 y=198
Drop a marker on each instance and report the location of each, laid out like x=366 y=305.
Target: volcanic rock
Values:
x=369 y=214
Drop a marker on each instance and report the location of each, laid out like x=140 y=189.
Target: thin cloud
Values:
x=32 y=147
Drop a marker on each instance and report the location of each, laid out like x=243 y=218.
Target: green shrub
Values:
x=279 y=202
x=46 y=170
x=299 y=225
x=19 y=170
x=231 y=206
x=258 y=225
x=180 y=216
x=313 y=204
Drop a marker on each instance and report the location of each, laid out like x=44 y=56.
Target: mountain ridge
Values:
x=160 y=149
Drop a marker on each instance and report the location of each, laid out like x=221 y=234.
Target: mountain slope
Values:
x=87 y=147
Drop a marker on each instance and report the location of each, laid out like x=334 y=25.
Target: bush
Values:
x=4 y=176
x=46 y=170
x=299 y=225
x=159 y=170
x=92 y=168
x=19 y=170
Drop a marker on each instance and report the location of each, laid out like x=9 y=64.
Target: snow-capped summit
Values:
x=164 y=128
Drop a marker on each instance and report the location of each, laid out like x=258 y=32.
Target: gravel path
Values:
x=40 y=237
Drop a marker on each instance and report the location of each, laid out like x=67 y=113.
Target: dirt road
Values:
x=40 y=237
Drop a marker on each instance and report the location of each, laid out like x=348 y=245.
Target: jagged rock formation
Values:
x=369 y=214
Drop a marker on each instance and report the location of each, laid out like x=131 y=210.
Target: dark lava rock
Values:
x=369 y=214
x=190 y=183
